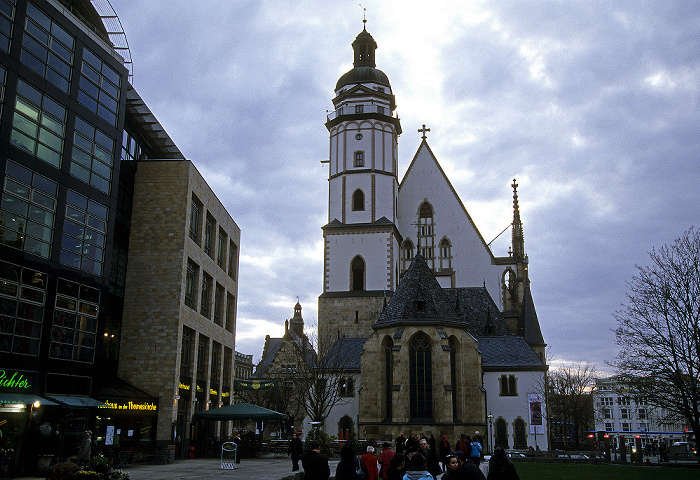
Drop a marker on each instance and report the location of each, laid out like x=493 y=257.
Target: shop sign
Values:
x=18 y=381
x=255 y=384
x=182 y=386
x=131 y=406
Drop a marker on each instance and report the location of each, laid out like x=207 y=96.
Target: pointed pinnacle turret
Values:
x=518 y=239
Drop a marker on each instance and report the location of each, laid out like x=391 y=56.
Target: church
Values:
x=439 y=335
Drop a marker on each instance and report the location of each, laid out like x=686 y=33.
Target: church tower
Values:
x=361 y=240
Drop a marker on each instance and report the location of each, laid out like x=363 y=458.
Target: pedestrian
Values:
x=400 y=443
x=350 y=466
x=476 y=451
x=431 y=459
x=385 y=457
x=417 y=468
x=500 y=466
x=397 y=468
x=239 y=444
x=443 y=451
x=85 y=449
x=370 y=462
x=452 y=470
x=296 y=448
x=315 y=465
x=481 y=442
x=470 y=471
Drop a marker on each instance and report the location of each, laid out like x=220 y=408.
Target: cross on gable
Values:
x=423 y=130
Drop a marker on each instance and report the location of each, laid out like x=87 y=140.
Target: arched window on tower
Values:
x=420 y=377
x=359 y=155
x=357 y=278
x=358 y=200
x=406 y=254
x=426 y=233
x=445 y=252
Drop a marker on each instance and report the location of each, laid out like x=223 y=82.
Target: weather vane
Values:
x=364 y=14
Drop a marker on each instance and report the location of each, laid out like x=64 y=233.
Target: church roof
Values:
x=530 y=323
x=345 y=353
x=478 y=310
x=508 y=353
x=419 y=299
x=274 y=345
x=365 y=74
x=383 y=221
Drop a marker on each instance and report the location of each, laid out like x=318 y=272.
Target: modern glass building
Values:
x=72 y=134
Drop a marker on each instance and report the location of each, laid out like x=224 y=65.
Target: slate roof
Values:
x=335 y=223
x=531 y=325
x=508 y=353
x=272 y=347
x=345 y=353
x=419 y=299
x=478 y=311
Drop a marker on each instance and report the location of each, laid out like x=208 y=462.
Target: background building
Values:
x=81 y=158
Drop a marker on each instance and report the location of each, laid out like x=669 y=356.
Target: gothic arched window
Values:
x=445 y=253
x=501 y=433
x=426 y=233
x=358 y=200
x=388 y=375
x=420 y=377
x=520 y=440
x=406 y=254
x=453 y=375
x=357 y=278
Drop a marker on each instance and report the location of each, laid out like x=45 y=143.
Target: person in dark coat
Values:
x=500 y=466
x=348 y=464
x=400 y=443
x=443 y=451
x=397 y=468
x=431 y=460
x=452 y=464
x=315 y=465
x=296 y=449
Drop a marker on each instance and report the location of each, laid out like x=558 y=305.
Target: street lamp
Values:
x=490 y=417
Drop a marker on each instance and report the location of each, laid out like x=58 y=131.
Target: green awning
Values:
x=77 y=401
x=241 y=411
x=24 y=399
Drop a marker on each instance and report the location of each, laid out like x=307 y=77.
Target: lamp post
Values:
x=491 y=445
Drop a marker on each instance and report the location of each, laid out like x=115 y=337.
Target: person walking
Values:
x=85 y=449
x=475 y=451
x=385 y=457
x=315 y=465
x=443 y=451
x=296 y=448
x=397 y=468
x=400 y=443
x=430 y=456
x=370 y=462
x=500 y=466
x=349 y=465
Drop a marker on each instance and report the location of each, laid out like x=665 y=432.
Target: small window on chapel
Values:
x=359 y=159
x=509 y=387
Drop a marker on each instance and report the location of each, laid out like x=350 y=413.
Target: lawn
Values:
x=579 y=471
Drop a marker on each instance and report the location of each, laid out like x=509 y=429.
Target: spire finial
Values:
x=423 y=130
x=518 y=244
x=364 y=17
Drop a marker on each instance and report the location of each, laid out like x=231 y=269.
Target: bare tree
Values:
x=320 y=377
x=570 y=401
x=659 y=330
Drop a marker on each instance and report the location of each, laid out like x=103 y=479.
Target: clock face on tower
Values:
x=358 y=136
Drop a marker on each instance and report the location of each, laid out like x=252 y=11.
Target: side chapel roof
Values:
x=508 y=353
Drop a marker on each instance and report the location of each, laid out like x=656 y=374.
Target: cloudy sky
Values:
x=592 y=105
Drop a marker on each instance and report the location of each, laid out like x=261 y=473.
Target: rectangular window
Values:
x=195 y=219
x=22 y=297
x=92 y=160
x=202 y=357
x=221 y=249
x=346 y=387
x=228 y=365
x=359 y=108
x=215 y=363
x=186 y=352
x=381 y=110
x=232 y=259
x=508 y=386
x=38 y=125
x=46 y=47
x=607 y=413
x=191 y=281
x=625 y=413
x=359 y=159
x=219 y=300
x=27 y=210
x=230 y=313
x=609 y=427
x=642 y=413
x=626 y=427
x=608 y=401
x=99 y=87
x=623 y=400
x=205 y=300
x=84 y=231
x=209 y=235
x=74 y=330
x=7 y=9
